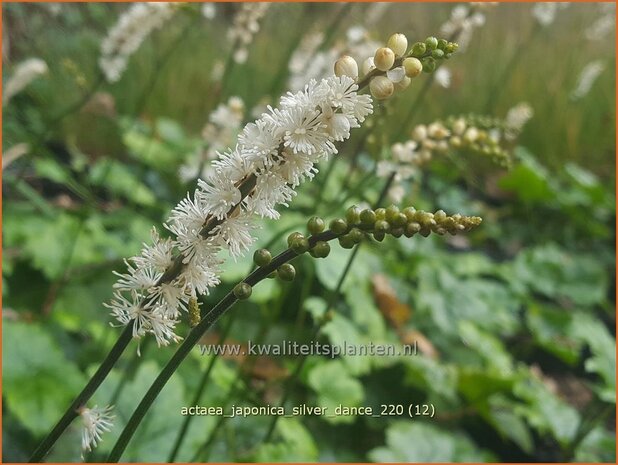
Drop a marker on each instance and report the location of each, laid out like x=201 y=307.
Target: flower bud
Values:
x=294 y=237
x=367 y=217
x=338 y=226
x=381 y=87
x=419 y=133
x=321 y=249
x=300 y=245
x=384 y=58
x=242 y=291
x=346 y=241
x=419 y=49
x=368 y=66
x=286 y=272
x=262 y=257
x=346 y=66
x=315 y=225
x=398 y=43
x=352 y=215
x=380 y=213
x=412 y=66
x=429 y=64
x=432 y=43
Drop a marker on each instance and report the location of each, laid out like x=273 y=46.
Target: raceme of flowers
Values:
x=480 y=135
x=128 y=33
x=587 y=78
x=246 y=25
x=24 y=73
x=273 y=156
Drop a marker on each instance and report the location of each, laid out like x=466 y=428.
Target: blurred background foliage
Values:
x=515 y=322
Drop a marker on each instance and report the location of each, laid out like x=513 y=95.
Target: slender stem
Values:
x=121 y=344
x=192 y=338
x=200 y=390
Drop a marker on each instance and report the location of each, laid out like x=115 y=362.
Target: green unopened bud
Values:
x=262 y=257
x=380 y=213
x=437 y=54
x=286 y=272
x=431 y=42
x=352 y=215
x=412 y=66
x=409 y=212
x=346 y=241
x=315 y=225
x=381 y=226
x=411 y=229
x=321 y=249
x=419 y=49
x=338 y=226
x=367 y=217
x=397 y=232
x=293 y=237
x=300 y=245
x=242 y=291
x=379 y=236
x=356 y=235
x=429 y=64
x=442 y=43
x=399 y=220
x=391 y=212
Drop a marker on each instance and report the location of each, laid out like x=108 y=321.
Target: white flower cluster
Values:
x=24 y=73
x=439 y=138
x=246 y=25
x=273 y=156
x=464 y=19
x=220 y=132
x=545 y=12
x=95 y=422
x=128 y=33
x=587 y=78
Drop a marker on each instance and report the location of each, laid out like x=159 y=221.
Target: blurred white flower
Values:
x=545 y=12
x=603 y=25
x=209 y=10
x=443 y=77
x=129 y=33
x=587 y=78
x=516 y=118
x=24 y=73
x=246 y=24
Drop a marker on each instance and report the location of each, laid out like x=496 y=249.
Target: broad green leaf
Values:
x=39 y=381
x=297 y=444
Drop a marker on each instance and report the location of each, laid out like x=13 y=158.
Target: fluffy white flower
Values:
x=587 y=78
x=95 y=422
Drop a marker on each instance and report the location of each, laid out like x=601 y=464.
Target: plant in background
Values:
x=127 y=35
x=246 y=25
x=23 y=74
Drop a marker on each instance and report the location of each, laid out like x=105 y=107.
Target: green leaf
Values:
x=39 y=381
x=297 y=444
x=408 y=442
x=334 y=386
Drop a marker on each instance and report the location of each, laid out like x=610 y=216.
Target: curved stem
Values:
x=192 y=338
x=121 y=344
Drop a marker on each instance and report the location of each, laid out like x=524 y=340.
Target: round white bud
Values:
x=346 y=66
x=384 y=58
x=471 y=134
x=398 y=43
x=368 y=66
x=339 y=127
x=459 y=126
x=381 y=87
x=413 y=66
